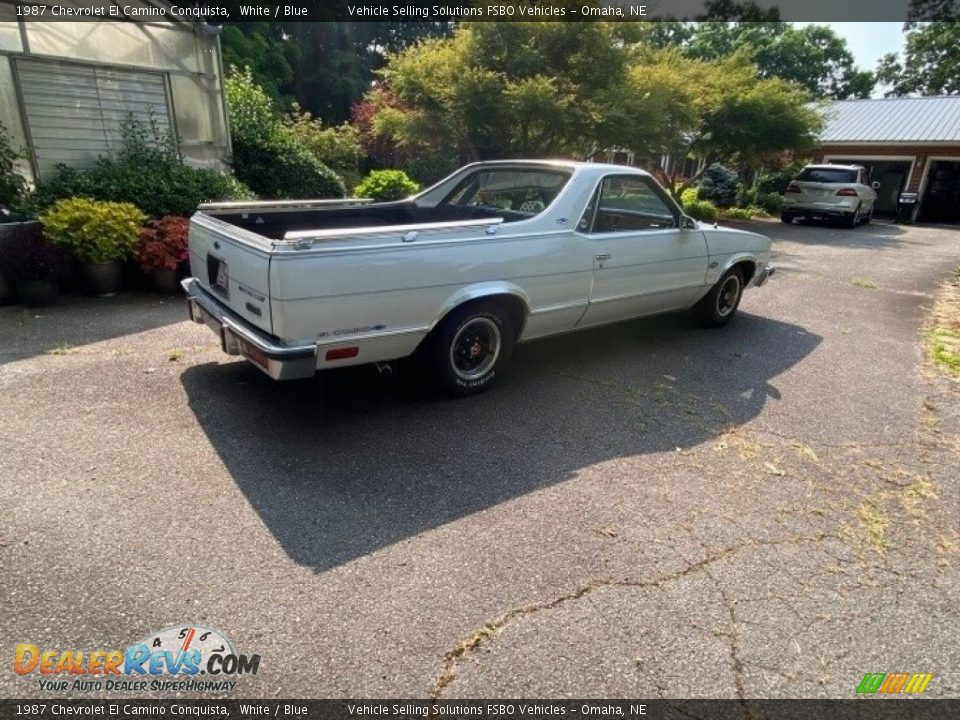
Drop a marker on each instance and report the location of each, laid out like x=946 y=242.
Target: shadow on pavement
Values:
x=75 y=321
x=348 y=463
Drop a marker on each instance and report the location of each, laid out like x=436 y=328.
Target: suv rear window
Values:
x=827 y=175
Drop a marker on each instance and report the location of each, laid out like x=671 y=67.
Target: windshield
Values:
x=828 y=175
x=527 y=192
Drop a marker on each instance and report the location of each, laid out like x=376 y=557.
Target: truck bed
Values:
x=274 y=221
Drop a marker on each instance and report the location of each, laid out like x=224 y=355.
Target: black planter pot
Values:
x=102 y=279
x=165 y=281
x=37 y=293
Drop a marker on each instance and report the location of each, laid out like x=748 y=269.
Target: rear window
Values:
x=526 y=192
x=828 y=175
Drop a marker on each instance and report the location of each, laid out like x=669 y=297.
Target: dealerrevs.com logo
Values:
x=184 y=658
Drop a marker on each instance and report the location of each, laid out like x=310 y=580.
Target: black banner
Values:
x=873 y=708
x=220 y=11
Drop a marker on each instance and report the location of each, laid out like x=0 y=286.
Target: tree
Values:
x=719 y=111
x=813 y=56
x=931 y=64
x=325 y=66
x=506 y=89
x=499 y=90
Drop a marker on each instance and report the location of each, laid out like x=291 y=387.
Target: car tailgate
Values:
x=234 y=266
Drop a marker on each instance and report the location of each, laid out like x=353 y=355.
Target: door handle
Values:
x=602 y=256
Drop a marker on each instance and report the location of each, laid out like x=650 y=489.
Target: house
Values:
x=66 y=87
x=910 y=145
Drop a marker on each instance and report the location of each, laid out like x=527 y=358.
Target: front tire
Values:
x=786 y=217
x=470 y=348
x=719 y=305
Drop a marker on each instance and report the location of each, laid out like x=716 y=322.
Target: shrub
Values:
x=771 y=202
x=336 y=147
x=267 y=156
x=744 y=213
x=776 y=181
x=385 y=185
x=688 y=196
x=12 y=183
x=27 y=256
x=720 y=185
x=93 y=231
x=701 y=210
x=163 y=243
x=147 y=172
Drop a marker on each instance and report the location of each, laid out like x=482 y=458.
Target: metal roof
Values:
x=893 y=120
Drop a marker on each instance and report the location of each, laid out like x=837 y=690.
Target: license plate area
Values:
x=218 y=275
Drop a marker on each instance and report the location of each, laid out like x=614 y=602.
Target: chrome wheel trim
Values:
x=729 y=296
x=475 y=348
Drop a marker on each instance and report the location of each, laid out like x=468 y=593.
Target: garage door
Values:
x=74 y=112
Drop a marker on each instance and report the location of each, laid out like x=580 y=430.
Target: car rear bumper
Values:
x=238 y=337
x=844 y=208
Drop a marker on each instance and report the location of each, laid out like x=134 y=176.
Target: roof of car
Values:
x=832 y=166
x=569 y=164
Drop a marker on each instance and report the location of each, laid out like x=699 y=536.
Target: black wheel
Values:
x=468 y=350
x=718 y=306
x=852 y=220
x=786 y=217
x=869 y=216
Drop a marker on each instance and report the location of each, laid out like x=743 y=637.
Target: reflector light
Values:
x=342 y=353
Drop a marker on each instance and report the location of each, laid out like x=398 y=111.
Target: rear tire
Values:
x=868 y=217
x=786 y=217
x=469 y=349
x=853 y=219
x=718 y=306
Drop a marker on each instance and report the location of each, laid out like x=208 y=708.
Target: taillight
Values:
x=793 y=187
x=847 y=192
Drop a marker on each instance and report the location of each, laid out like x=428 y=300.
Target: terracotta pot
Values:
x=165 y=281
x=102 y=279
x=37 y=293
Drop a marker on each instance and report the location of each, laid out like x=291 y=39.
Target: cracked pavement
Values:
x=646 y=510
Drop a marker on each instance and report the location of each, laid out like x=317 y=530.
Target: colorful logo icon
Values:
x=894 y=683
x=181 y=651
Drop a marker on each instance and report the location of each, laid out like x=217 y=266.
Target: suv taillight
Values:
x=847 y=192
x=793 y=187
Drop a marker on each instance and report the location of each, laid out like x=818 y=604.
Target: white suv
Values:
x=831 y=191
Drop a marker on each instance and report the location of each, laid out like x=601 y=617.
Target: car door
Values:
x=643 y=262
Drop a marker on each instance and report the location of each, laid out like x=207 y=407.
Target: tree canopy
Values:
x=497 y=90
x=931 y=62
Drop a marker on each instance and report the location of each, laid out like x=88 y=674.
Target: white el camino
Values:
x=496 y=254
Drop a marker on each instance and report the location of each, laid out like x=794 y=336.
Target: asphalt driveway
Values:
x=767 y=510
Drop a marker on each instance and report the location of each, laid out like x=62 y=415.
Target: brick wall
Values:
x=920 y=152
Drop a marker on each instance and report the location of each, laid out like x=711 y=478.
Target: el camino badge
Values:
x=352 y=331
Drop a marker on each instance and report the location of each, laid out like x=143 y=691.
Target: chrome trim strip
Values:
x=241 y=205
x=559 y=308
x=375 y=335
x=390 y=229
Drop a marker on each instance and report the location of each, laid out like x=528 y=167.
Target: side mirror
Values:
x=875 y=185
x=687 y=223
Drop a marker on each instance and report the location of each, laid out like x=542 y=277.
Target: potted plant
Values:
x=163 y=246
x=34 y=265
x=98 y=234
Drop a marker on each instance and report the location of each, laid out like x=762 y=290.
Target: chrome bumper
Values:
x=238 y=337
x=761 y=277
